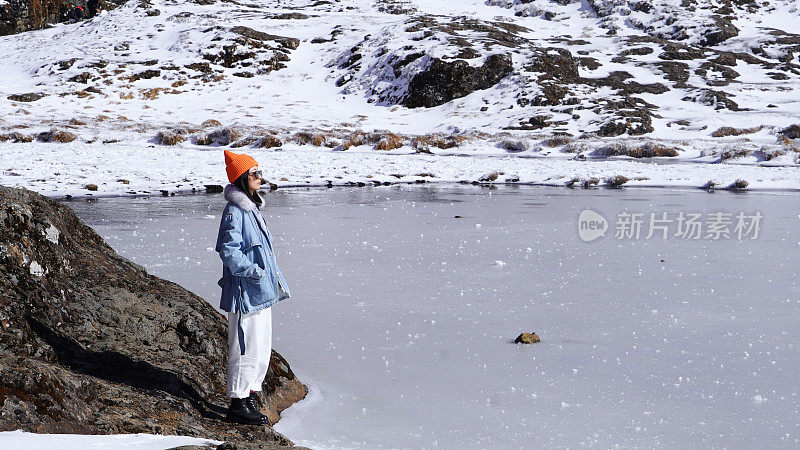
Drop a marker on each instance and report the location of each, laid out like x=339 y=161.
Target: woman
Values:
x=251 y=284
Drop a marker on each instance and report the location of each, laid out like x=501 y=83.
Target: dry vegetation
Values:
x=730 y=131
x=169 y=138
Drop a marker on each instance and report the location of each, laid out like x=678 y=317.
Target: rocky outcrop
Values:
x=24 y=15
x=91 y=343
x=17 y=16
x=443 y=81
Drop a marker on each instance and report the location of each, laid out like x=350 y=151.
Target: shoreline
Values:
x=192 y=192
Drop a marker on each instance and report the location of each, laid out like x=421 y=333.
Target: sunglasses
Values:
x=257 y=174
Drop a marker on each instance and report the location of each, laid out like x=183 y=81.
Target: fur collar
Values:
x=235 y=195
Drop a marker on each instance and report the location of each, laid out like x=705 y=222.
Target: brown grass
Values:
x=16 y=137
x=210 y=123
x=647 y=150
x=424 y=143
x=389 y=141
x=730 y=131
x=593 y=181
x=737 y=185
x=269 y=141
x=733 y=152
x=556 y=141
x=491 y=176
x=315 y=139
x=58 y=136
x=169 y=138
x=617 y=180
x=771 y=153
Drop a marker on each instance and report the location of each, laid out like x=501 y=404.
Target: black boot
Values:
x=239 y=411
x=251 y=403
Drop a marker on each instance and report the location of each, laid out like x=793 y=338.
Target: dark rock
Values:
x=145 y=75
x=200 y=67
x=213 y=189
x=723 y=30
x=589 y=62
x=780 y=76
x=514 y=145
x=554 y=64
x=286 y=42
x=618 y=81
x=632 y=116
x=66 y=64
x=80 y=78
x=289 y=16
x=17 y=16
x=54 y=135
x=716 y=99
x=674 y=71
x=92 y=344
x=725 y=71
x=791 y=132
x=29 y=97
x=444 y=81
x=637 y=51
x=539 y=121
x=673 y=51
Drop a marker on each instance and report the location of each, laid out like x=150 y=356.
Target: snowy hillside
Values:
x=152 y=85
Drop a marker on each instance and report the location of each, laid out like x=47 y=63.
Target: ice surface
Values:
x=402 y=324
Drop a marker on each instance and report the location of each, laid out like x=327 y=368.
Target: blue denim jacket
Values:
x=250 y=279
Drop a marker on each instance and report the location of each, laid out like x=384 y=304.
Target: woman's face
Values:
x=254 y=178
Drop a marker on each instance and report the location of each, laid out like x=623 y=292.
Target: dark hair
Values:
x=243 y=183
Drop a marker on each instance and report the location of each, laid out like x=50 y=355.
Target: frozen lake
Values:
x=402 y=316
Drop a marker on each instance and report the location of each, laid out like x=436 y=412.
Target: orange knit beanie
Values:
x=236 y=165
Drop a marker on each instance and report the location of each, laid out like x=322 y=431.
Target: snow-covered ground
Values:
x=119 y=79
x=403 y=316
x=20 y=440
x=121 y=169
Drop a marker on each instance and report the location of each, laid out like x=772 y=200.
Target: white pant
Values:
x=247 y=371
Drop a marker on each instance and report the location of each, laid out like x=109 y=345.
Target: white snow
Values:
x=119 y=123
x=20 y=440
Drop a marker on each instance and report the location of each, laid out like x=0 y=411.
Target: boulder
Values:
x=443 y=81
x=55 y=135
x=791 y=132
x=28 y=97
x=17 y=16
x=91 y=343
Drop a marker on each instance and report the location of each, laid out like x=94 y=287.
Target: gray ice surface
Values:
x=401 y=319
